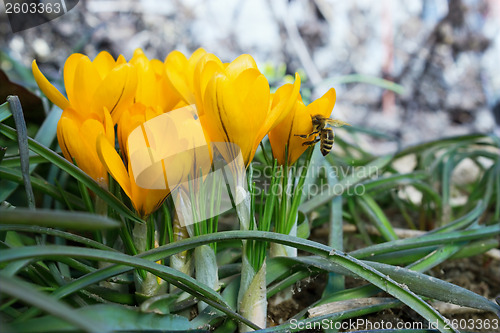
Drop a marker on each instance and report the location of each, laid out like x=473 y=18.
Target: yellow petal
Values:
x=145 y=201
x=238 y=65
x=109 y=127
x=69 y=75
x=113 y=163
x=195 y=57
x=86 y=81
x=323 y=105
x=89 y=161
x=104 y=63
x=245 y=80
x=121 y=60
x=48 y=89
x=77 y=139
x=61 y=139
x=116 y=91
x=286 y=101
x=175 y=66
x=206 y=68
x=229 y=119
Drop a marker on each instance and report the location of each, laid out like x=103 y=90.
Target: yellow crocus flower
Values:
x=94 y=89
x=180 y=73
x=145 y=201
x=153 y=89
x=92 y=86
x=77 y=138
x=235 y=103
x=298 y=122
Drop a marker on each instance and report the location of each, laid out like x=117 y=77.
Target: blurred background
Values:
x=443 y=55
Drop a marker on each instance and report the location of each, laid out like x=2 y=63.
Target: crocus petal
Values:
x=245 y=80
x=69 y=75
x=323 y=105
x=113 y=163
x=109 y=129
x=121 y=60
x=86 y=81
x=104 y=63
x=205 y=70
x=286 y=101
x=145 y=201
x=48 y=89
x=88 y=160
x=240 y=64
x=175 y=64
x=298 y=122
x=60 y=137
x=116 y=91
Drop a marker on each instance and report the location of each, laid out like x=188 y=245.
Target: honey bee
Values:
x=326 y=135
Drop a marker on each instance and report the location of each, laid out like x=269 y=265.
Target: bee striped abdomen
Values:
x=327 y=137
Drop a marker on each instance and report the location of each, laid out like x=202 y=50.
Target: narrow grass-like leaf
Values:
x=328 y=321
x=75 y=172
x=25 y=292
x=41 y=185
x=369 y=79
x=22 y=140
x=378 y=217
x=58 y=219
x=349 y=181
x=57 y=233
x=111 y=318
x=345 y=261
x=5 y=111
x=435 y=288
x=426 y=240
x=419 y=283
x=287 y=282
x=16 y=161
x=440 y=142
x=394 y=180
x=462 y=221
x=436 y=257
x=335 y=282
x=170 y=275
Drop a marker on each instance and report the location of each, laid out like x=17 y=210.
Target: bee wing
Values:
x=337 y=123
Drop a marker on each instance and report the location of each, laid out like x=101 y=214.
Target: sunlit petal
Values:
x=104 y=63
x=69 y=76
x=86 y=81
x=113 y=163
x=48 y=89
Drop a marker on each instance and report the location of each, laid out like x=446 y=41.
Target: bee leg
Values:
x=305 y=136
x=309 y=143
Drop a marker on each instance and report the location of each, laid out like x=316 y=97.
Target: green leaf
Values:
x=111 y=318
x=419 y=283
x=426 y=240
x=15 y=175
x=22 y=140
x=358 y=175
x=170 y=275
x=57 y=233
x=58 y=219
x=25 y=292
x=369 y=79
x=75 y=172
x=5 y=111
x=186 y=283
x=435 y=288
x=378 y=217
